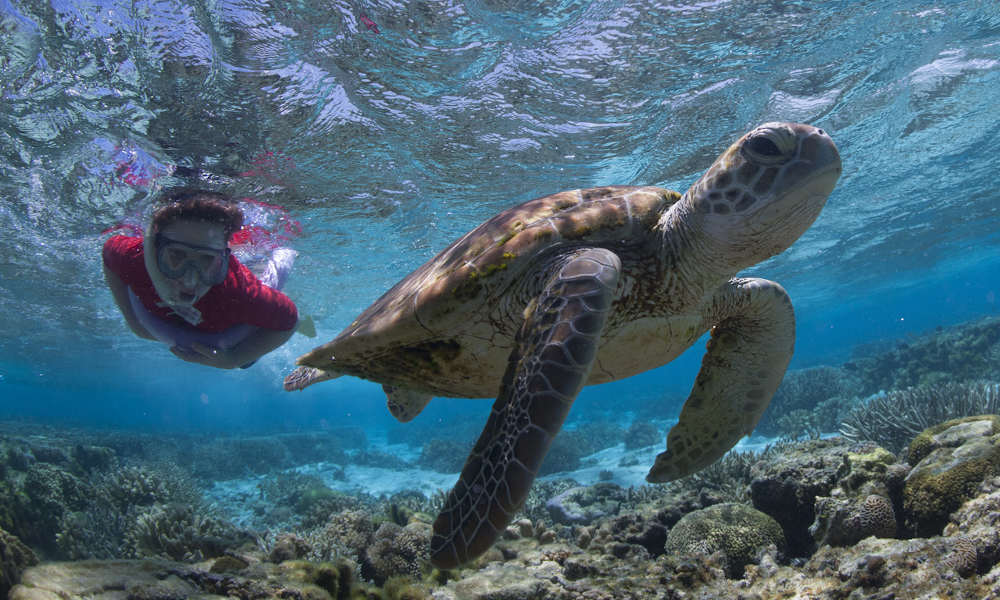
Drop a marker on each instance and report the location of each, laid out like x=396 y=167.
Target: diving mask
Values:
x=175 y=259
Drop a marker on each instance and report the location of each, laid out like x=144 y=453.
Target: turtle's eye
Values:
x=768 y=146
x=763 y=146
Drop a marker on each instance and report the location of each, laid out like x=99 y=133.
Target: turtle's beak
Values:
x=808 y=181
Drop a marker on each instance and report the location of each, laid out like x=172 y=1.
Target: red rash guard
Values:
x=240 y=299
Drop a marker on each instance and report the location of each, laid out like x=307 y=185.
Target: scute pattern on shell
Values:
x=510 y=241
x=432 y=302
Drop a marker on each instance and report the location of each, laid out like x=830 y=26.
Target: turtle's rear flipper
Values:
x=403 y=403
x=554 y=351
x=303 y=377
x=751 y=345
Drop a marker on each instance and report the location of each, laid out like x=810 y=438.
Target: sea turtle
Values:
x=588 y=286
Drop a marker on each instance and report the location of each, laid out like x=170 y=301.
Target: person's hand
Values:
x=206 y=355
x=189 y=313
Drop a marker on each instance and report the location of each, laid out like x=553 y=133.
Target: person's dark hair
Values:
x=197 y=205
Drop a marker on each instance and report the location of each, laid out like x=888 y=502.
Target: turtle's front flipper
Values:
x=752 y=342
x=303 y=377
x=553 y=353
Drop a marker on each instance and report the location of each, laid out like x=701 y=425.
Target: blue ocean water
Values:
x=387 y=129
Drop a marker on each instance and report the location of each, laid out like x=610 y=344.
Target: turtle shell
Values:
x=429 y=320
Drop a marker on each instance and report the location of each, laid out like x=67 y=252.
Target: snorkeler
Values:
x=181 y=285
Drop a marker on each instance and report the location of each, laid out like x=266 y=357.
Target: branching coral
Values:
x=730 y=475
x=808 y=401
x=229 y=458
x=94 y=533
x=177 y=531
x=115 y=501
x=145 y=486
x=291 y=494
x=539 y=494
x=33 y=507
x=893 y=419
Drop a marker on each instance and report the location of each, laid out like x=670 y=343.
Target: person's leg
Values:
x=274 y=272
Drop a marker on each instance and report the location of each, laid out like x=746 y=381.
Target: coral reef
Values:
x=976 y=528
x=864 y=501
x=395 y=551
x=584 y=505
x=893 y=419
x=229 y=458
x=844 y=521
x=116 y=500
x=565 y=454
x=233 y=457
x=809 y=402
x=952 y=460
x=159 y=580
x=833 y=496
x=731 y=475
x=573 y=444
x=630 y=534
x=51 y=492
x=381 y=550
x=382 y=460
x=857 y=521
x=348 y=532
x=14 y=558
x=145 y=485
x=535 y=507
x=461 y=429
x=737 y=531
x=786 y=486
x=179 y=532
x=962 y=353
x=326 y=446
x=641 y=434
x=288 y=546
x=886 y=568
x=92 y=458
x=445 y=456
x=291 y=498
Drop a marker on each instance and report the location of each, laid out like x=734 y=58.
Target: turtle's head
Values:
x=765 y=190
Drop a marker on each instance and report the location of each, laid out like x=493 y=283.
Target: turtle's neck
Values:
x=697 y=263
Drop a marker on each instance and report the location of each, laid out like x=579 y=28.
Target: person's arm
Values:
x=119 y=291
x=255 y=345
x=272 y=313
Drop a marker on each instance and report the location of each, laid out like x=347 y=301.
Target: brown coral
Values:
x=396 y=550
x=964 y=556
x=352 y=529
x=876 y=517
x=14 y=558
